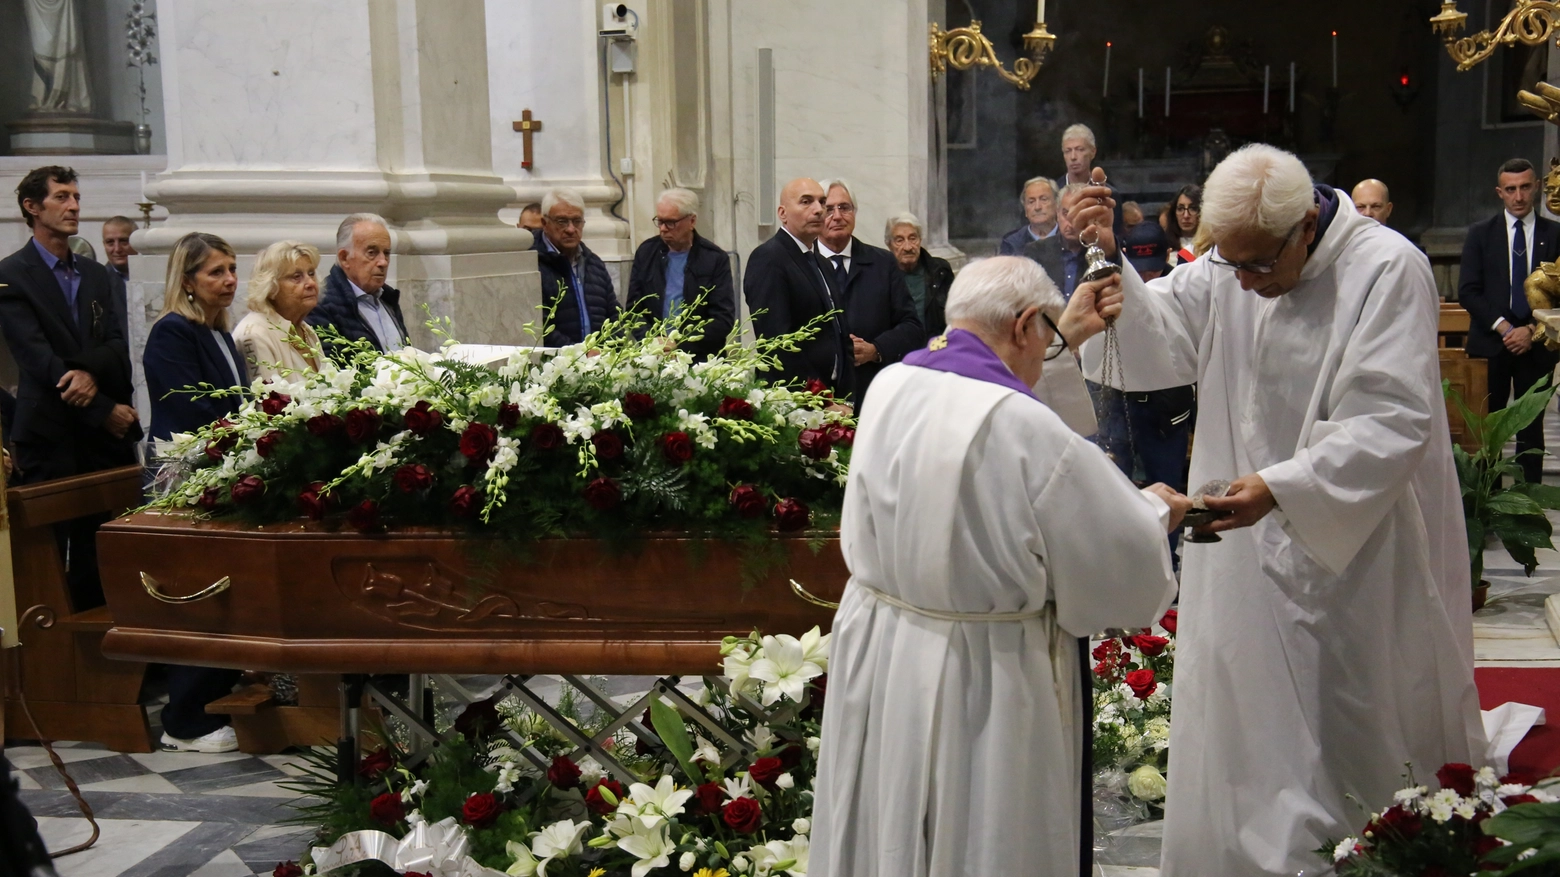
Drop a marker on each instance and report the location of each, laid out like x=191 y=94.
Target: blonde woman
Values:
x=282 y=291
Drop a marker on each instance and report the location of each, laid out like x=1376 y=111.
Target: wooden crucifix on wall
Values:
x=526 y=126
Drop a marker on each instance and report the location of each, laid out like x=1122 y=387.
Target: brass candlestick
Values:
x=964 y=47
x=1530 y=22
x=146 y=213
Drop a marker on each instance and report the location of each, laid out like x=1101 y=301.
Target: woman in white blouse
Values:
x=282 y=291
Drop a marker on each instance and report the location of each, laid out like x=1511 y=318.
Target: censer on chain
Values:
x=1098 y=266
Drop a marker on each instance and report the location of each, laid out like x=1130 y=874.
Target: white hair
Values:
x=1079 y=132
x=992 y=292
x=829 y=184
x=686 y=202
x=1257 y=188
x=554 y=197
x=898 y=219
x=1047 y=182
x=348 y=226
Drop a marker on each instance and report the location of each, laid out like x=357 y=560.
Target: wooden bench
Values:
x=1468 y=375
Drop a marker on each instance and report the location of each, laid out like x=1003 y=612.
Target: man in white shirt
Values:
x=356 y=301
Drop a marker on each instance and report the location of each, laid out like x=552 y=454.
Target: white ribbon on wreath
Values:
x=440 y=848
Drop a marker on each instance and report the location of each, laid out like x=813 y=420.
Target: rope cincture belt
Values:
x=941 y=615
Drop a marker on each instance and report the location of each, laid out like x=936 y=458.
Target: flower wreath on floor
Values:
x=621 y=435
x=1132 y=721
x=477 y=807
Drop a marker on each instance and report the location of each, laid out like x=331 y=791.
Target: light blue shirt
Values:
x=676 y=268
x=64 y=271
x=379 y=319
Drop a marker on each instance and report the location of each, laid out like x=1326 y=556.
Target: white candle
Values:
x=143 y=187
x=1040 y=13
x=1105 y=90
x=1335 y=59
x=1291 y=86
x=1167 y=92
x=1140 y=92
x=1267 y=76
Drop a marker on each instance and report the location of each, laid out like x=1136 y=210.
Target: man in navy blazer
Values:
x=786 y=280
x=677 y=267
x=355 y=299
x=1498 y=255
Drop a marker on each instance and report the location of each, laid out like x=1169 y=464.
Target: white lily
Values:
x=738 y=787
x=650 y=845
x=558 y=841
x=815 y=647
x=784 y=669
x=416 y=788
x=652 y=804
x=525 y=864
x=795 y=850
x=706 y=751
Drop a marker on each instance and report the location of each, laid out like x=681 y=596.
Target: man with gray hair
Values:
x=576 y=288
x=983 y=537
x=1038 y=199
x=1327 y=639
x=355 y=300
x=678 y=268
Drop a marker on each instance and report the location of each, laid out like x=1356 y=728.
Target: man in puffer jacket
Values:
x=576 y=287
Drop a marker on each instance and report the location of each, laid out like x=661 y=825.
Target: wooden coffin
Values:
x=304 y=599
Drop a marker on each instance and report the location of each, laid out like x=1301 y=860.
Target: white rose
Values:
x=1146 y=783
x=784 y=781
x=801 y=825
x=686 y=862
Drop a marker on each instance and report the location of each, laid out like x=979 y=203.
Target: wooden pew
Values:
x=1469 y=375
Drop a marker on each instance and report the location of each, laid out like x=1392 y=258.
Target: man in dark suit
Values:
x=117 y=250
x=1498 y=255
x=1038 y=198
x=786 y=280
x=879 y=312
x=1062 y=255
x=678 y=267
x=73 y=412
x=356 y=301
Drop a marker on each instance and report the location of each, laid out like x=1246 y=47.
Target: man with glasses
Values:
x=680 y=269
x=879 y=312
x=1326 y=641
x=1498 y=255
x=576 y=287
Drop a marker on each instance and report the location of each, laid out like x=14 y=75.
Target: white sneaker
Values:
x=222 y=739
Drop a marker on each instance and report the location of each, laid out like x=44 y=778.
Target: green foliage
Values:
x=1527 y=827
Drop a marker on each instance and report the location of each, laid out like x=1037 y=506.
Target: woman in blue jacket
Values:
x=189 y=345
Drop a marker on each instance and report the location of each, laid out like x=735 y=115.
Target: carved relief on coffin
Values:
x=422 y=592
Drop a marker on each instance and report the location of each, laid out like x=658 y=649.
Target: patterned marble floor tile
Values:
x=124 y=843
x=29 y=757
x=225 y=864
x=287 y=843
x=23 y=781
x=150 y=783
x=108 y=766
x=266 y=789
x=172 y=808
x=292 y=765
x=223 y=775
x=193 y=851
x=165 y=762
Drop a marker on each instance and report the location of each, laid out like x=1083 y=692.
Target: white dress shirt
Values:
x=828 y=254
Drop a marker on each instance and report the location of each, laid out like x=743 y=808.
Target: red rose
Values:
x=1106 y=649
x=412 y=478
x=376 y=763
x=792 y=514
x=608 y=445
x=466 y=502
x=1514 y=800
x=638 y=406
x=814 y=443
x=312 y=503
x=265 y=446
x=364 y=516
x=1170 y=620
x=387 y=809
x=248 y=488
x=478 y=442
x=1396 y=822
x=274 y=404
x=1458 y=777
x=603 y=494
x=842 y=435
x=733 y=408
x=362 y=425
x=819 y=388
x=287 y=869
x=1142 y=683
x=210 y=498
x=742 y=814
x=480 y=811
x=479 y=719
x=564 y=773
x=1519 y=778
x=765 y=771
x=508 y=415
x=325 y=425
x=421 y=419
x=791 y=756
x=217 y=447
x=709 y=796
x=1484 y=845
x=677 y=447
x=817 y=692
x=1152 y=646
x=749 y=501
x=598 y=803
x=546 y=436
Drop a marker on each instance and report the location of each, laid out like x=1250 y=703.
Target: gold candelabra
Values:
x=964 y=47
x=1530 y=22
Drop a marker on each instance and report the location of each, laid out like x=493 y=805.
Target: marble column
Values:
x=285 y=116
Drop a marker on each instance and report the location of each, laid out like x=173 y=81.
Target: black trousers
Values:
x=1511 y=376
x=189 y=690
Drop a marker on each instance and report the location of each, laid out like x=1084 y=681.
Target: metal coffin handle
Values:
x=798 y=590
x=153 y=588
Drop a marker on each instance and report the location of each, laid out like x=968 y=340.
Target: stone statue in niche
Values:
x=59 y=58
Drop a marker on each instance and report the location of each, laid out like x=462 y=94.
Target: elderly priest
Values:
x=983 y=537
x=1326 y=641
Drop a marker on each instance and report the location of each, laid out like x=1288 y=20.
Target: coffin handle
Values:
x=798 y=590
x=152 y=587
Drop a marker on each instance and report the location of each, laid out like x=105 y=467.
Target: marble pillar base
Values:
x=489 y=297
x=70 y=134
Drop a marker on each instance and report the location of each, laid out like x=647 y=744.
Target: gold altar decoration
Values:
x=1542 y=287
x=964 y=47
x=1529 y=22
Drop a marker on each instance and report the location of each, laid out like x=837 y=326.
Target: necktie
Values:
x=840 y=274
x=1519 y=273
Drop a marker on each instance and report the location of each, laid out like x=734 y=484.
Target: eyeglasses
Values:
x=670 y=223
x=1058 y=344
x=1263 y=267
x=841 y=209
x=1187 y=208
x=567 y=222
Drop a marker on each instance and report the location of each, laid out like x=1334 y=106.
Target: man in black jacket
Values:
x=356 y=301
x=678 y=268
x=1498 y=255
x=926 y=276
x=870 y=287
x=57 y=311
x=576 y=288
x=787 y=282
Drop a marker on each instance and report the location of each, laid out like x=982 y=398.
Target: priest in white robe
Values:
x=1327 y=640
x=983 y=537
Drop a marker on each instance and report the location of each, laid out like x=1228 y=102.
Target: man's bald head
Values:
x=1372 y=199
x=801 y=209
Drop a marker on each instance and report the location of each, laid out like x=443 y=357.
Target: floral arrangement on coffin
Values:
x=621 y=434
x=1474 y=823
x=1132 y=714
x=477 y=807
